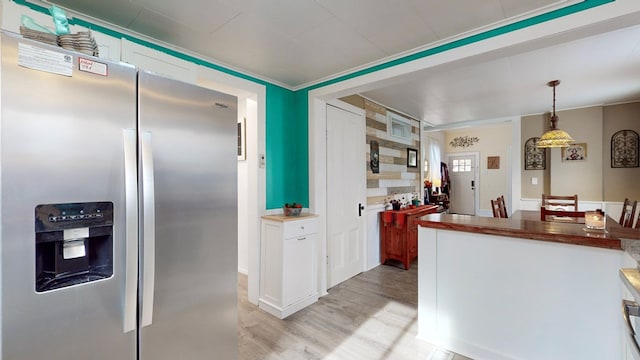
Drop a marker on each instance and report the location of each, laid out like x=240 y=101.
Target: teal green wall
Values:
x=287 y=114
x=287 y=149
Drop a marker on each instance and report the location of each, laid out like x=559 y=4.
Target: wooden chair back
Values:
x=637 y=222
x=548 y=215
x=555 y=202
x=495 y=207
x=503 y=207
x=628 y=214
x=499 y=208
x=624 y=211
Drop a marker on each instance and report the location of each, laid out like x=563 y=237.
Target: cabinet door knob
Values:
x=302 y=238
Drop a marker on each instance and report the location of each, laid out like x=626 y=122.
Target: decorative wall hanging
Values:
x=493 y=162
x=463 y=141
x=534 y=157
x=624 y=149
x=575 y=152
x=412 y=158
x=374 y=156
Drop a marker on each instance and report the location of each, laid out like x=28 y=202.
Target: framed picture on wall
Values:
x=575 y=152
x=412 y=158
x=493 y=162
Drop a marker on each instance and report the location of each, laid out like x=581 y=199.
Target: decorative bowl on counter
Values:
x=292 y=209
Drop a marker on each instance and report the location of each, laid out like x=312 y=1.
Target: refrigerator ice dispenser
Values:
x=74 y=244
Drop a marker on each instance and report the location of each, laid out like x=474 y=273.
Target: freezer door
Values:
x=189 y=164
x=61 y=142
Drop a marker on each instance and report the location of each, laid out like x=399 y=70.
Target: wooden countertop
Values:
x=527 y=225
x=631 y=279
x=399 y=217
x=414 y=210
x=282 y=217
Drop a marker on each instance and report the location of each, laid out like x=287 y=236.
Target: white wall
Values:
x=243 y=202
x=248 y=207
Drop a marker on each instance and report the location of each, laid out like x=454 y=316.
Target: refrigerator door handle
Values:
x=148 y=230
x=131 y=232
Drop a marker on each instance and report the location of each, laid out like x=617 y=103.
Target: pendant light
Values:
x=554 y=137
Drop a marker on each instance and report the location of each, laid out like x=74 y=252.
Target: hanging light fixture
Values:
x=554 y=137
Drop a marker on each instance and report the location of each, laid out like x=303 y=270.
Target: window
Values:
x=399 y=127
x=433 y=169
x=462 y=165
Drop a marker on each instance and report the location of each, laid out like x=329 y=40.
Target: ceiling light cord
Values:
x=554 y=117
x=554 y=137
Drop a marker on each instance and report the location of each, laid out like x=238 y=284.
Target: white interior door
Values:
x=346 y=192
x=464 y=182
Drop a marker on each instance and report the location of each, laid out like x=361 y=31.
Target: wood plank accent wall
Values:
x=395 y=179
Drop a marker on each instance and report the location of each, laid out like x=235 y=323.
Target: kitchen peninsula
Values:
x=521 y=288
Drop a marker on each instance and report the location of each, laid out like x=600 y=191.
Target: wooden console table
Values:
x=399 y=233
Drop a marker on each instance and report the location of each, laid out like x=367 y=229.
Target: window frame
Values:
x=396 y=120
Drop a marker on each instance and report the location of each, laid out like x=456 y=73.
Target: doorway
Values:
x=463 y=172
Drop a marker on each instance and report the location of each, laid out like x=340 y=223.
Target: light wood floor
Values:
x=372 y=316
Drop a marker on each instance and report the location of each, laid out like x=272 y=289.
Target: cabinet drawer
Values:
x=299 y=228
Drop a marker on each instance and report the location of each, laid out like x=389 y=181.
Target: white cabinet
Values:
x=288 y=264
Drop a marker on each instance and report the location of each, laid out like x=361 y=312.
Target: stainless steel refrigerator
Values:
x=118 y=211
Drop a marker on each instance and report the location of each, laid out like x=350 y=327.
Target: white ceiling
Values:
x=597 y=70
x=298 y=42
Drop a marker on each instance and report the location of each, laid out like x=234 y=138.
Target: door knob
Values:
x=360 y=208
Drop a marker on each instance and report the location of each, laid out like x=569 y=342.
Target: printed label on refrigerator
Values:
x=37 y=58
x=93 y=67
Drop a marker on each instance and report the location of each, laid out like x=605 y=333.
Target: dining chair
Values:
x=560 y=215
x=557 y=202
x=632 y=215
x=628 y=213
x=495 y=207
x=624 y=211
x=503 y=207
